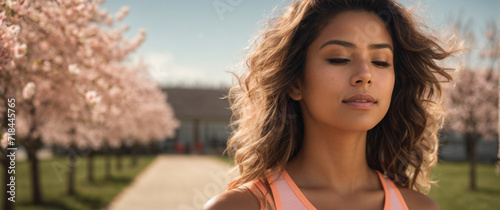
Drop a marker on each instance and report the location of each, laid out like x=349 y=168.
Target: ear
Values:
x=294 y=91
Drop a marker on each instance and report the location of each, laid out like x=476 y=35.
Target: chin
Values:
x=358 y=127
x=364 y=125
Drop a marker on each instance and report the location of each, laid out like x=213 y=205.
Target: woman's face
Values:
x=349 y=74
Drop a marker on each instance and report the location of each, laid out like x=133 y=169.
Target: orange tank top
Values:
x=287 y=195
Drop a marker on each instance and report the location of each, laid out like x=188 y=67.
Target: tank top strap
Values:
x=287 y=194
x=260 y=192
x=393 y=198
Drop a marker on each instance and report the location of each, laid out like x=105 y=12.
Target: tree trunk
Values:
x=35 y=174
x=119 y=164
x=471 y=153
x=107 y=161
x=32 y=146
x=107 y=164
x=90 y=169
x=135 y=148
x=72 y=169
x=7 y=205
x=498 y=155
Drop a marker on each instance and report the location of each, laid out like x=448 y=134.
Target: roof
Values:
x=197 y=103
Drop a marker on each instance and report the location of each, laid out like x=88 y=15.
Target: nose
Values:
x=362 y=74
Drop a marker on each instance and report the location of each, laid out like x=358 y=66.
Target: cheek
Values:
x=387 y=86
x=323 y=82
x=390 y=83
x=319 y=84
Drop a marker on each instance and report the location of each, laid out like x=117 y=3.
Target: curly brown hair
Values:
x=267 y=123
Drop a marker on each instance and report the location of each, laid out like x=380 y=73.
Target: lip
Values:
x=360 y=101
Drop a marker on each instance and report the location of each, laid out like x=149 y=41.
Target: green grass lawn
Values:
x=453 y=191
x=90 y=195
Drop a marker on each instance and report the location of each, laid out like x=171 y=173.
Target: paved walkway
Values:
x=177 y=182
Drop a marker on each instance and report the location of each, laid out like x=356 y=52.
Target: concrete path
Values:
x=177 y=182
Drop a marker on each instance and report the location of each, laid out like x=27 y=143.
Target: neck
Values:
x=333 y=159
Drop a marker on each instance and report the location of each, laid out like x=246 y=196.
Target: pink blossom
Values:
x=142 y=32
x=29 y=90
x=103 y=13
x=473 y=104
x=73 y=69
x=108 y=21
x=19 y=50
x=64 y=2
x=92 y=97
x=80 y=7
x=44 y=45
x=69 y=12
x=13 y=31
x=122 y=13
x=12 y=3
x=47 y=66
x=92 y=30
x=125 y=28
x=2 y=18
x=58 y=59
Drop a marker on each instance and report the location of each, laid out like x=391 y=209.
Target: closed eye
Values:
x=381 y=63
x=338 y=60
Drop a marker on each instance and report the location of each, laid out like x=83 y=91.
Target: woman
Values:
x=339 y=109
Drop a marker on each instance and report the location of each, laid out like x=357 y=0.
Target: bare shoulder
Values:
x=237 y=198
x=417 y=200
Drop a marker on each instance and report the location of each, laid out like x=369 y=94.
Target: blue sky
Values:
x=192 y=43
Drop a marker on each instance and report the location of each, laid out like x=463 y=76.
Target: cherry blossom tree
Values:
x=491 y=53
x=136 y=110
x=473 y=99
x=11 y=50
x=149 y=104
x=55 y=39
x=472 y=103
x=62 y=66
x=472 y=111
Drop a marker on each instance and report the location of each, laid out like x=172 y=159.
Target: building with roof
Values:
x=204 y=115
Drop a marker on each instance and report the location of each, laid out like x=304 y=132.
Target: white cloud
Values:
x=164 y=69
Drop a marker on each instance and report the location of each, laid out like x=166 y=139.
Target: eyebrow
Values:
x=351 y=45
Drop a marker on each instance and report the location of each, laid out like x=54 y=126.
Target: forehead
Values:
x=358 y=27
